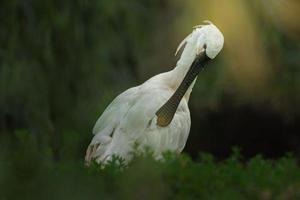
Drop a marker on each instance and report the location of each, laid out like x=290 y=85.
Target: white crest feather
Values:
x=201 y=25
x=182 y=43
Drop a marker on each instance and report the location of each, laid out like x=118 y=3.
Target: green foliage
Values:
x=28 y=172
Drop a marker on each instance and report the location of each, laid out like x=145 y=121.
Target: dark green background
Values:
x=63 y=62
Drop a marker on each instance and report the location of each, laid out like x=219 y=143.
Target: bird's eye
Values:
x=204 y=46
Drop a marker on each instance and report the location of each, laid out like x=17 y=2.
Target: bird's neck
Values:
x=183 y=64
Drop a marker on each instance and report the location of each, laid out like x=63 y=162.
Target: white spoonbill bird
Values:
x=156 y=113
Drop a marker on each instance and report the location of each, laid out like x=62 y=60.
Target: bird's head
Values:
x=205 y=40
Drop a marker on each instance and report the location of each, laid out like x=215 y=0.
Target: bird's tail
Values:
x=96 y=150
x=89 y=154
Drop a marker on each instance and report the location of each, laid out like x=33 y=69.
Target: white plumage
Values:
x=132 y=116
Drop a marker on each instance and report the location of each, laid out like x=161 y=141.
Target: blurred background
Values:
x=63 y=62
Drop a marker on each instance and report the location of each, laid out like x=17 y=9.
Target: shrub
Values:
x=30 y=173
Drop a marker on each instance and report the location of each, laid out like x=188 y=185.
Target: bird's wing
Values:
x=115 y=110
x=108 y=121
